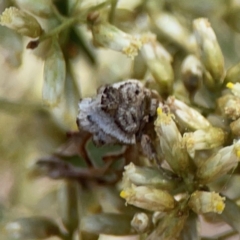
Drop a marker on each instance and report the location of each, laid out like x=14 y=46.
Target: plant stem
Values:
x=66 y=24
x=112 y=11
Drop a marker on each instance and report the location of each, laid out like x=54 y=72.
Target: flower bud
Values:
x=169 y=26
x=140 y=222
x=233 y=74
x=108 y=36
x=148 y=198
x=171 y=226
x=219 y=163
x=186 y=116
x=201 y=139
x=192 y=73
x=204 y=202
x=229 y=106
x=211 y=54
x=171 y=143
x=21 y=22
x=158 y=61
x=147 y=176
x=54 y=75
x=235 y=88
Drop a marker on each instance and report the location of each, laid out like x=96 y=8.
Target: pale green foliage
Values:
x=188 y=51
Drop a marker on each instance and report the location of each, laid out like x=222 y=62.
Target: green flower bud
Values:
x=140 y=222
x=32 y=228
x=229 y=106
x=158 y=61
x=171 y=143
x=186 y=116
x=219 y=163
x=204 y=202
x=148 y=198
x=192 y=73
x=233 y=74
x=54 y=75
x=147 y=176
x=21 y=22
x=211 y=54
x=201 y=139
x=108 y=36
x=171 y=226
x=169 y=26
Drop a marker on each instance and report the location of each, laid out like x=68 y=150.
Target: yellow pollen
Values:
x=230 y=85
x=238 y=153
x=220 y=206
x=159 y=111
x=123 y=194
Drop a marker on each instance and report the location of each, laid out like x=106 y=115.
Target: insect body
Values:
x=119 y=113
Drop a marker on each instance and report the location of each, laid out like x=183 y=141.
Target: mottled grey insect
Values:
x=120 y=113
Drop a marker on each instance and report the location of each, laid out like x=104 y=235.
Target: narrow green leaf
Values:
x=54 y=75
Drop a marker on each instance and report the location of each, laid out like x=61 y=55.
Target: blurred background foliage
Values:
x=32 y=129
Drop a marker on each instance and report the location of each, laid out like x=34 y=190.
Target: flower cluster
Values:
x=162 y=130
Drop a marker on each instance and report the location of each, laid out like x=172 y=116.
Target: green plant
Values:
x=173 y=51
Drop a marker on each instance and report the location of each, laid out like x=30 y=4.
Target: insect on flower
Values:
x=121 y=113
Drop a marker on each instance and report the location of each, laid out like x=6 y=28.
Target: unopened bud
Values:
x=171 y=142
x=21 y=22
x=192 y=73
x=170 y=226
x=158 y=61
x=146 y=176
x=186 y=116
x=148 y=198
x=211 y=54
x=169 y=26
x=233 y=74
x=140 y=222
x=219 y=163
x=204 y=202
x=108 y=36
x=229 y=106
x=201 y=139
